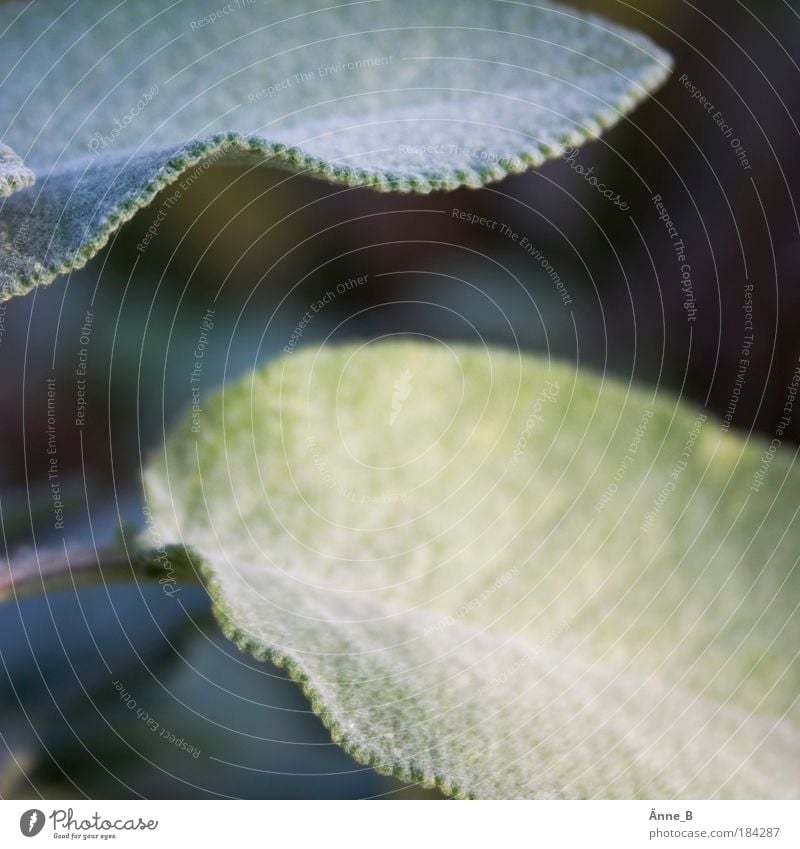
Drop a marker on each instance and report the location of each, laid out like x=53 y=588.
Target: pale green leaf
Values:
x=495 y=574
x=108 y=104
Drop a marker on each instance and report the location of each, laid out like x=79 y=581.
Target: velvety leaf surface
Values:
x=495 y=574
x=110 y=103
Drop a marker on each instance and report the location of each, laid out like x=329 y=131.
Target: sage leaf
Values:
x=110 y=104
x=497 y=575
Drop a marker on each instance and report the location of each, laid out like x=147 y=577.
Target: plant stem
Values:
x=49 y=569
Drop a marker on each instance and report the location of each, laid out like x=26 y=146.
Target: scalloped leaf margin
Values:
x=110 y=105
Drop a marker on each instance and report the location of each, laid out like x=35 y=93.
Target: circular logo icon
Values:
x=31 y=822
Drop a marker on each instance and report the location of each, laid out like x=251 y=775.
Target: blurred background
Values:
x=598 y=284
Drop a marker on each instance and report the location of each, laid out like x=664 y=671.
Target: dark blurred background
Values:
x=258 y=247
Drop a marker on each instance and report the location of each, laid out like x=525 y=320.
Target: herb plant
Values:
x=489 y=572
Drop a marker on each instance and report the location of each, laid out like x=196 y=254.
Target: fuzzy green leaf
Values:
x=497 y=575
x=110 y=103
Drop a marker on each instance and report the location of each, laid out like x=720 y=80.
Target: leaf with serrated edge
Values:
x=13 y=173
x=110 y=104
x=533 y=583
